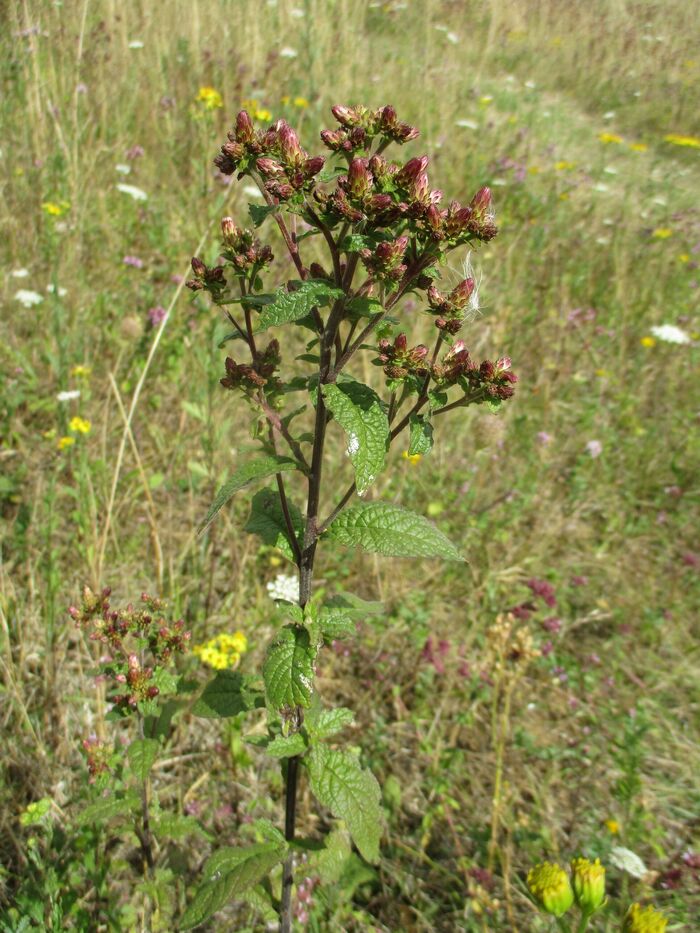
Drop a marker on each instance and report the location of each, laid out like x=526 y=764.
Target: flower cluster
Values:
x=98 y=758
x=222 y=652
x=209 y=279
x=255 y=375
x=450 y=308
x=400 y=361
x=127 y=635
x=245 y=253
x=640 y=919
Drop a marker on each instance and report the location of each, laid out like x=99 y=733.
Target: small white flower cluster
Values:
x=284 y=586
x=669 y=333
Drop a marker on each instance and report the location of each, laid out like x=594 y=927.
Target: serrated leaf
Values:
x=330 y=861
x=351 y=793
x=166 y=682
x=384 y=528
x=141 y=754
x=260 y=212
x=364 y=307
x=421 y=438
x=436 y=399
x=287 y=746
x=355 y=606
x=359 y=411
x=357 y=241
x=291 y=306
x=336 y=623
x=230 y=872
x=267 y=521
x=107 y=809
x=255 y=469
x=329 y=721
x=226 y=695
x=259 y=899
x=288 y=670
x=176 y=826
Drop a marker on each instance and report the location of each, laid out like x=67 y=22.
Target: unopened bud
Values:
x=550 y=886
x=588 y=880
x=245 y=131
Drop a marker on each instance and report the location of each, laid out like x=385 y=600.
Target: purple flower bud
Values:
x=460 y=295
x=481 y=202
x=359 y=178
x=269 y=167
x=313 y=166
x=245 y=133
x=412 y=169
x=289 y=144
x=198 y=267
x=346 y=116
x=334 y=139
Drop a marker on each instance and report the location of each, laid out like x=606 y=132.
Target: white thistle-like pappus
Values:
x=284 y=586
x=473 y=306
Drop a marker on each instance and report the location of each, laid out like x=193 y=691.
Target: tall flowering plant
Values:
x=362 y=232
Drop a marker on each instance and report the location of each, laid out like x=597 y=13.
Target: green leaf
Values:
x=230 y=872
x=328 y=721
x=290 y=306
x=176 y=826
x=436 y=399
x=330 y=861
x=255 y=469
x=359 y=411
x=364 y=307
x=336 y=623
x=107 y=809
x=287 y=746
x=357 y=241
x=141 y=754
x=351 y=793
x=259 y=212
x=384 y=528
x=288 y=670
x=267 y=521
x=226 y=695
x=354 y=606
x=421 y=441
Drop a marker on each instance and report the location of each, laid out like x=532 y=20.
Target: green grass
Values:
x=582 y=227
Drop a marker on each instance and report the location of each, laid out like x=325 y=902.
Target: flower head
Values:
x=640 y=919
x=223 y=651
x=550 y=886
x=210 y=97
x=588 y=879
x=669 y=333
x=79 y=425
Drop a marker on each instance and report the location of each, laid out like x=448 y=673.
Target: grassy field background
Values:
x=585 y=121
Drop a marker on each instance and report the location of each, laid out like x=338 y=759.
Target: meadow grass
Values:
x=589 y=479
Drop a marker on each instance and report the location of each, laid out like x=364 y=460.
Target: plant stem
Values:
x=289 y=825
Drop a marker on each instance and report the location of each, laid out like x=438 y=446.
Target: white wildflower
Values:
x=68 y=396
x=123 y=169
x=20 y=273
x=28 y=298
x=287 y=52
x=467 y=124
x=56 y=290
x=284 y=586
x=453 y=38
x=136 y=44
x=669 y=333
x=297 y=13
x=136 y=193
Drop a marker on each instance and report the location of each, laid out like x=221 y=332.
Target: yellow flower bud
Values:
x=588 y=880
x=550 y=886
x=640 y=919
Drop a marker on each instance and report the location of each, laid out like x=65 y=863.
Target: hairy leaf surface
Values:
x=384 y=528
x=359 y=411
x=255 y=469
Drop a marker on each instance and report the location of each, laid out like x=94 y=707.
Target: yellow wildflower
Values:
x=210 y=97
x=301 y=102
x=65 y=442
x=55 y=208
x=564 y=196
x=486 y=100
x=263 y=114
x=640 y=919
x=79 y=425
x=609 y=138
x=662 y=233
x=284 y=100
x=639 y=147
x=588 y=879
x=612 y=826
x=82 y=372
x=412 y=458
x=684 y=257
x=533 y=170
x=677 y=140
x=564 y=166
x=550 y=886
x=646 y=342
x=223 y=651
